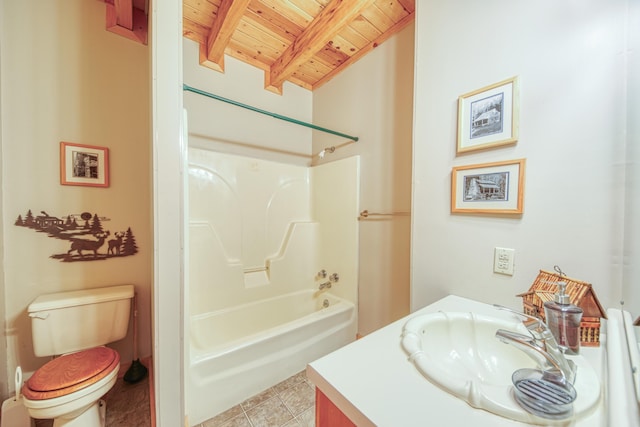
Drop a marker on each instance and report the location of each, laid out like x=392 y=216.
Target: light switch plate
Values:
x=503 y=261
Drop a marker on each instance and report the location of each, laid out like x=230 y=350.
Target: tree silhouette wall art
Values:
x=85 y=234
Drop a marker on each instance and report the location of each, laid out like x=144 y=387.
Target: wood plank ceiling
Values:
x=305 y=42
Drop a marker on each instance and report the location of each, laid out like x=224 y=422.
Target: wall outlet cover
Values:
x=503 y=260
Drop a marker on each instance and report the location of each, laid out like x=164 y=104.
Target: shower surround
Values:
x=259 y=231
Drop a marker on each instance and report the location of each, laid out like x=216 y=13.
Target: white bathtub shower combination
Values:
x=255 y=314
x=268 y=342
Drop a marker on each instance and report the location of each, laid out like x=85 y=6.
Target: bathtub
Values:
x=238 y=352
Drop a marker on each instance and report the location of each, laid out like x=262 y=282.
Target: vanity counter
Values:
x=373 y=383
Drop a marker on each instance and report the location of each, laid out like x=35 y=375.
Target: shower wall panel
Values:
x=336 y=205
x=252 y=234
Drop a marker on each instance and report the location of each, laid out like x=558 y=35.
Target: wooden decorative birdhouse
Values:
x=580 y=293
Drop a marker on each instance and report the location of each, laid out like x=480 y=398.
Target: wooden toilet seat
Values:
x=70 y=373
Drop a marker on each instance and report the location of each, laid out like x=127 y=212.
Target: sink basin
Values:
x=458 y=352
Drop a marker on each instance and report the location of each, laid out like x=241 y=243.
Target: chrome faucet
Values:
x=334 y=278
x=325 y=285
x=541 y=346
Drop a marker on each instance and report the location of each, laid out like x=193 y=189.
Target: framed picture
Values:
x=488 y=117
x=86 y=165
x=493 y=188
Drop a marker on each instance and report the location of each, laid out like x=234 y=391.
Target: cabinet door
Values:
x=328 y=414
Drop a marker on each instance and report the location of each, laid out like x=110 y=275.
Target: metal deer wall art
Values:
x=85 y=235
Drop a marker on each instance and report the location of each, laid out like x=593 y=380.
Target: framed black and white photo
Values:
x=488 y=188
x=84 y=165
x=488 y=117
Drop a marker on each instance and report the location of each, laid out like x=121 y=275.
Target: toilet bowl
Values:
x=66 y=388
x=69 y=388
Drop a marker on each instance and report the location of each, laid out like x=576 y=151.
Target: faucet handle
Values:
x=519 y=313
x=536 y=327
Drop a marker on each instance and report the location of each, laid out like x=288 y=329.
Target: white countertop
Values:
x=374 y=384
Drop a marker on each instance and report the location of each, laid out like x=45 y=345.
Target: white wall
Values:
x=220 y=126
x=169 y=218
x=373 y=100
x=569 y=59
x=631 y=291
x=68 y=79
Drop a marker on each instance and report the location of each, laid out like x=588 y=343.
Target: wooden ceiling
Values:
x=305 y=42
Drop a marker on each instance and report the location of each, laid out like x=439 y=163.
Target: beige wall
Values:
x=572 y=109
x=64 y=78
x=373 y=100
x=4 y=386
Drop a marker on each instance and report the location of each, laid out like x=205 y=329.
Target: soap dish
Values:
x=543 y=394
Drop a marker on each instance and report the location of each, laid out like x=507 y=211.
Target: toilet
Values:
x=75 y=326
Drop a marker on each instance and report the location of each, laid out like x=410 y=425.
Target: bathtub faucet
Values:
x=334 y=278
x=325 y=285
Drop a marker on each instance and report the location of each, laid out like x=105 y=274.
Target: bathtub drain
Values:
x=325 y=303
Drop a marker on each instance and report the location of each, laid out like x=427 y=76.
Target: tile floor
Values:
x=290 y=403
x=128 y=404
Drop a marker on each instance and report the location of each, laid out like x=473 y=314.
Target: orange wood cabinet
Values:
x=328 y=414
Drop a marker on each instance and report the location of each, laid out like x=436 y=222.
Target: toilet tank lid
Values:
x=82 y=297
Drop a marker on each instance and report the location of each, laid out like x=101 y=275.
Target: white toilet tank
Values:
x=76 y=320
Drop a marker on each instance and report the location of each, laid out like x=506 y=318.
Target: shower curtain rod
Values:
x=268 y=113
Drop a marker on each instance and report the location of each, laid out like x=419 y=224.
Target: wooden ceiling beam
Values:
x=229 y=15
x=124 y=13
x=124 y=19
x=409 y=5
x=322 y=29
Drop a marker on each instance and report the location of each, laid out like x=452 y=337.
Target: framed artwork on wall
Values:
x=488 y=117
x=488 y=188
x=84 y=165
